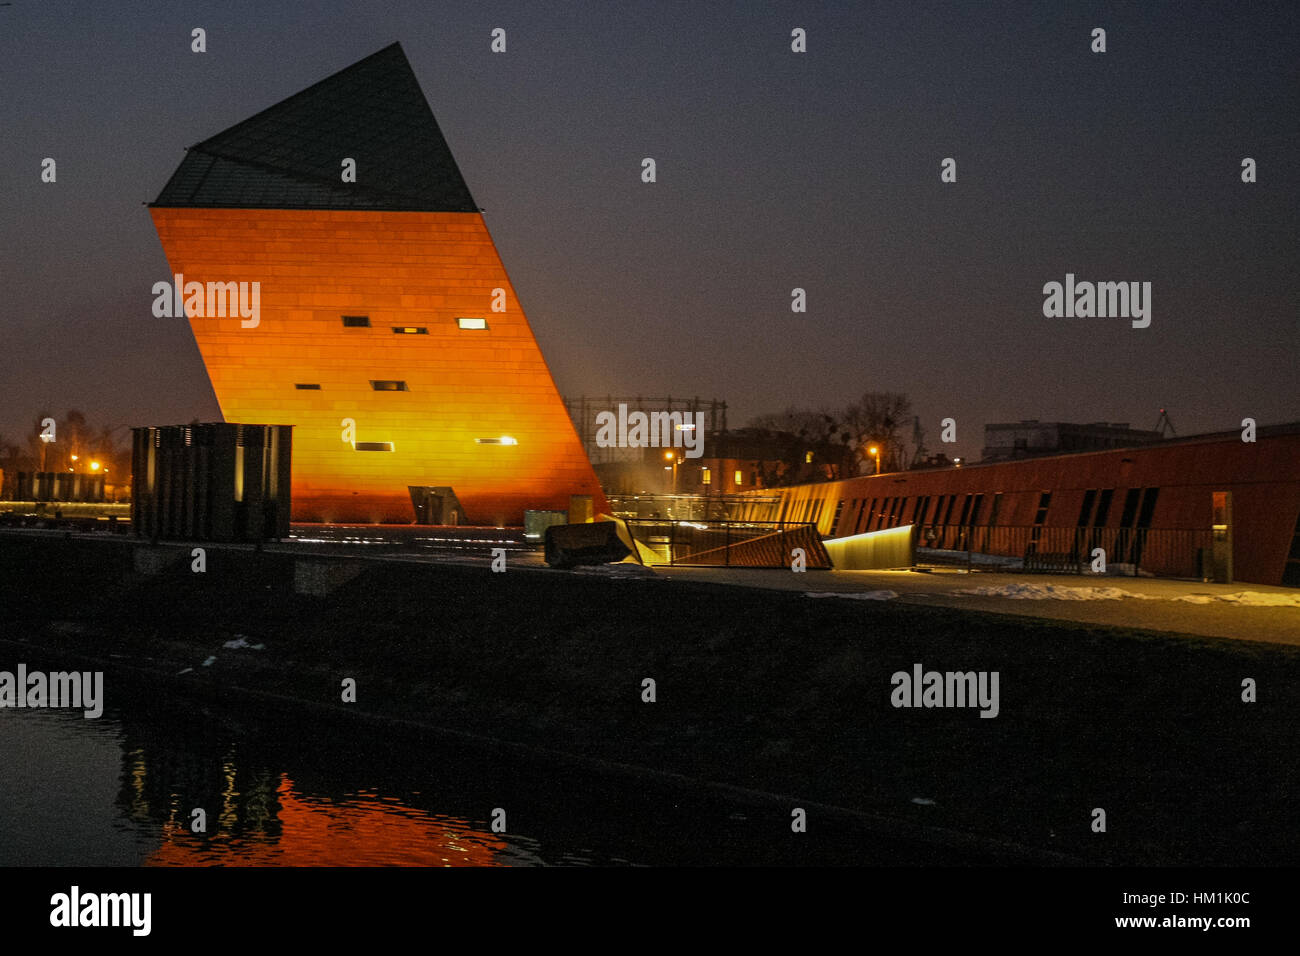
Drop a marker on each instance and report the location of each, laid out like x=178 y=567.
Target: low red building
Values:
x=1165 y=507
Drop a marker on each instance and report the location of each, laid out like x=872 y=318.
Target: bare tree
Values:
x=918 y=441
x=74 y=435
x=807 y=424
x=878 y=418
x=38 y=451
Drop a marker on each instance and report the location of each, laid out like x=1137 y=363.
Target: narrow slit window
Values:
x=410 y=330
x=373 y=446
x=388 y=386
x=479 y=324
x=356 y=321
x=307 y=386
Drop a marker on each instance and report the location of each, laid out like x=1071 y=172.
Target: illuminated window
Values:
x=740 y=478
x=706 y=476
x=373 y=446
x=472 y=323
x=808 y=458
x=388 y=386
x=356 y=321
x=307 y=386
x=410 y=330
x=503 y=440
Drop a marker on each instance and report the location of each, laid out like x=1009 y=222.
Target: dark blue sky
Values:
x=775 y=170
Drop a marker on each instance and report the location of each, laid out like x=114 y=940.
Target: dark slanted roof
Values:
x=290 y=156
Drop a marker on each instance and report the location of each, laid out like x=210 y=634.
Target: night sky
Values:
x=775 y=170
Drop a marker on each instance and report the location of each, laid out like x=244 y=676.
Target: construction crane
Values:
x=1163 y=422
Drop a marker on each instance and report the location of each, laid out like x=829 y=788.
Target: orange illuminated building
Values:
x=386 y=330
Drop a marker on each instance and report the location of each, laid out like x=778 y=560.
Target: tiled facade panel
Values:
x=416 y=269
x=1263 y=476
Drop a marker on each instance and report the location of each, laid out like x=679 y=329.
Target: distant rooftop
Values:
x=290 y=155
x=1117 y=426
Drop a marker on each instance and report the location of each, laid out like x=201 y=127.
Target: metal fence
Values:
x=685 y=507
x=1167 y=552
x=728 y=543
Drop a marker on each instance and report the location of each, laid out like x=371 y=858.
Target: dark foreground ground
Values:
x=763 y=690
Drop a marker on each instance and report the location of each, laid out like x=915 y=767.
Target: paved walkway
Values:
x=1280 y=625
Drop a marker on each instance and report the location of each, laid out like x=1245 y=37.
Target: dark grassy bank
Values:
x=759 y=689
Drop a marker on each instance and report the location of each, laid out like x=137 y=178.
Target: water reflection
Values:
x=268 y=800
x=283 y=828
x=268 y=804
x=280 y=791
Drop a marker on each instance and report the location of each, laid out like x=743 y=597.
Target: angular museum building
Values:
x=339 y=277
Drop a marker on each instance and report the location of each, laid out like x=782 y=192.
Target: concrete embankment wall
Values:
x=758 y=689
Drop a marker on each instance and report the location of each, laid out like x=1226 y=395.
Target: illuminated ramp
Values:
x=735 y=544
x=874 y=551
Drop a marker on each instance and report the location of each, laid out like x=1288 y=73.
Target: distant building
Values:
x=730 y=462
x=1025 y=439
x=587 y=413
x=750 y=458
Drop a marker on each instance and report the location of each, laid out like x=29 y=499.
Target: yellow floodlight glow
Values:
x=882 y=550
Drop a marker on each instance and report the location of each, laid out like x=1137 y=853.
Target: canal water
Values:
x=121 y=790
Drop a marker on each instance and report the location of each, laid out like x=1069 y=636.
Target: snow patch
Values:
x=854 y=595
x=1244 y=599
x=241 y=642
x=1048 y=592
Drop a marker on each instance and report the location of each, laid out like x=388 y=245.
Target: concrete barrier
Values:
x=569 y=545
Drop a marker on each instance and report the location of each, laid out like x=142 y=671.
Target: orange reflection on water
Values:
x=362 y=831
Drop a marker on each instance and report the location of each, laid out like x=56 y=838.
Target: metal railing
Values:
x=1167 y=552
x=714 y=542
x=683 y=507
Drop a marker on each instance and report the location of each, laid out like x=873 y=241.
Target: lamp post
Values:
x=672 y=457
x=874 y=451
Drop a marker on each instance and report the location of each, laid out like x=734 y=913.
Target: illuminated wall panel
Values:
x=315 y=267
